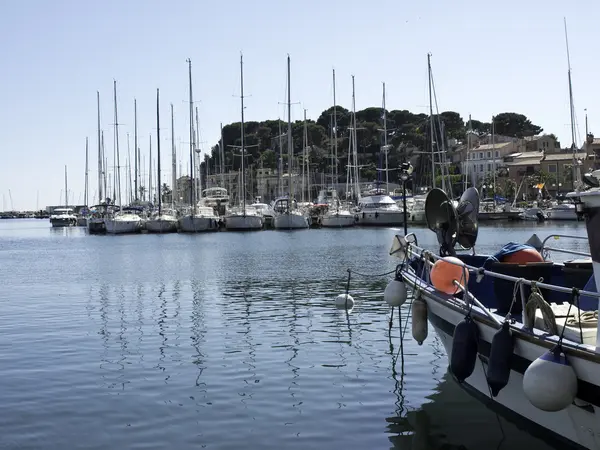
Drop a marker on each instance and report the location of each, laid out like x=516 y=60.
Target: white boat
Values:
x=123 y=222
x=63 y=217
x=533 y=214
x=379 y=209
x=202 y=219
x=164 y=221
x=265 y=211
x=564 y=211
x=287 y=215
x=216 y=198
x=336 y=215
x=244 y=217
x=532 y=355
x=416 y=213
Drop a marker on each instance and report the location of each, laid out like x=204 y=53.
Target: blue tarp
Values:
x=508 y=249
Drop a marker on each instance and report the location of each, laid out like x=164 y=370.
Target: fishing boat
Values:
x=243 y=217
x=162 y=220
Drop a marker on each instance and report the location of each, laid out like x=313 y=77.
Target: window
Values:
x=489 y=167
x=551 y=168
x=480 y=155
x=497 y=154
x=481 y=167
x=489 y=155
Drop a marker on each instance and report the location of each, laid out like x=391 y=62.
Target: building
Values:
x=487 y=158
x=542 y=143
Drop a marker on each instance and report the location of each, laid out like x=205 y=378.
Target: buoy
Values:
x=524 y=256
x=550 y=383
x=344 y=301
x=419 y=320
x=395 y=293
x=445 y=271
x=464 y=349
x=501 y=354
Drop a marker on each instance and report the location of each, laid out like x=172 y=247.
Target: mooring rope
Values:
x=536 y=300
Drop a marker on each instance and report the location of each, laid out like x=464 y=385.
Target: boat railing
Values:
x=422 y=253
x=546 y=249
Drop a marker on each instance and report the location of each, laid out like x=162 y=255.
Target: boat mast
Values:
x=222 y=158
x=158 y=151
x=118 y=178
x=174 y=160
x=385 y=144
x=289 y=135
x=303 y=155
x=355 y=150
x=100 y=193
x=66 y=191
x=85 y=191
x=198 y=150
x=431 y=123
x=335 y=144
x=243 y=190
x=494 y=162
x=135 y=150
x=150 y=193
x=575 y=170
x=192 y=181
x=104 y=166
x=280 y=162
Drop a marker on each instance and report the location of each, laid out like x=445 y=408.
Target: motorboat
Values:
x=564 y=211
x=63 y=217
x=288 y=216
x=202 y=218
x=521 y=331
x=126 y=220
x=378 y=209
x=533 y=214
x=416 y=213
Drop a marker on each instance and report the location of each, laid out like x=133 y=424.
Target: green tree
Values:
x=454 y=125
x=515 y=125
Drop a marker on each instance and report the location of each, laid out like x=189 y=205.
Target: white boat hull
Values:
x=116 y=226
x=162 y=224
x=196 y=224
x=381 y=218
x=243 y=222
x=96 y=225
x=417 y=217
x=562 y=215
x=576 y=424
x=338 y=220
x=290 y=221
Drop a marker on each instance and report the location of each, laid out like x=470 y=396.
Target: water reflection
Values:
x=198 y=330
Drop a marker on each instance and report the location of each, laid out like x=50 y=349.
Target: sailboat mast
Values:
x=243 y=190
x=222 y=157
x=150 y=193
x=280 y=162
x=100 y=193
x=355 y=150
x=197 y=149
x=118 y=178
x=159 y=185
x=289 y=133
x=494 y=161
x=575 y=170
x=303 y=155
x=104 y=165
x=385 y=147
x=192 y=180
x=85 y=191
x=135 y=150
x=66 y=191
x=335 y=144
x=173 y=160
x=431 y=122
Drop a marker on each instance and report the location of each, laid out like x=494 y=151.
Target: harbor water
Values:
x=226 y=340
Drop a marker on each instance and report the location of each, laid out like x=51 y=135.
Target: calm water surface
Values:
x=223 y=341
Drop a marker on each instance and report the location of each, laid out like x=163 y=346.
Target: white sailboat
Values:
x=336 y=215
x=199 y=217
x=63 y=217
x=287 y=214
x=95 y=220
x=243 y=218
x=162 y=221
x=126 y=220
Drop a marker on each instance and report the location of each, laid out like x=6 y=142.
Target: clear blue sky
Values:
x=487 y=58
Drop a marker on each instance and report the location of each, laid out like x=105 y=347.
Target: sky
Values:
x=486 y=58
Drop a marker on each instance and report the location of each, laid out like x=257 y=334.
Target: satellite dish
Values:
x=442 y=219
x=591 y=180
x=468 y=215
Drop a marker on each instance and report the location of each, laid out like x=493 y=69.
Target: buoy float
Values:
x=344 y=301
x=550 y=383
x=524 y=256
x=395 y=293
x=445 y=271
x=501 y=354
x=464 y=349
x=419 y=320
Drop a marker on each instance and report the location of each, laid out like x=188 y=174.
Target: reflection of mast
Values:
x=161 y=326
x=198 y=330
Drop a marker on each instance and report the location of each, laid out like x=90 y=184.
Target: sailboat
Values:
x=95 y=220
x=336 y=215
x=285 y=209
x=63 y=217
x=125 y=220
x=243 y=217
x=200 y=217
x=161 y=221
x=376 y=208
